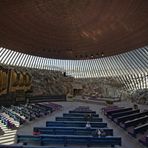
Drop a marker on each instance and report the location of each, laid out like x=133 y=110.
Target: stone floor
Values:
x=127 y=140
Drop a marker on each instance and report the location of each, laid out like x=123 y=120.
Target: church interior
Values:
x=73 y=74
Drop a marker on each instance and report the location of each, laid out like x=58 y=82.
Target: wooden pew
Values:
x=85 y=112
x=25 y=146
x=22 y=112
x=69 y=131
x=54 y=106
x=74 y=124
x=7 y=122
x=95 y=119
x=1 y=131
x=109 y=113
x=139 y=129
x=31 y=111
x=144 y=140
x=135 y=122
x=132 y=116
x=45 y=106
x=13 y=146
x=107 y=109
x=37 y=112
x=121 y=114
x=13 y=115
x=82 y=108
x=68 y=140
x=44 y=110
x=37 y=109
x=78 y=115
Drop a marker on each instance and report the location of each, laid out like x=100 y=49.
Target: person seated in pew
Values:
x=99 y=133
x=135 y=106
x=103 y=133
x=88 y=125
x=24 y=143
x=88 y=117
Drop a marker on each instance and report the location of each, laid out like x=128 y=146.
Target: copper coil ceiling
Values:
x=73 y=29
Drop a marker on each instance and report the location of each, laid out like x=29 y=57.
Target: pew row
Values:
x=1 y=131
x=134 y=122
x=95 y=119
x=46 y=106
x=54 y=106
x=33 y=112
x=38 y=108
x=85 y=112
x=7 y=122
x=78 y=115
x=23 y=112
x=124 y=113
x=139 y=129
x=104 y=109
x=82 y=108
x=25 y=146
x=110 y=112
x=144 y=140
x=69 y=131
x=68 y=140
x=13 y=115
x=74 y=124
x=130 y=117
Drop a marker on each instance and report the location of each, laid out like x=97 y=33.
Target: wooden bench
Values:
x=116 y=115
x=69 y=131
x=13 y=146
x=139 y=129
x=93 y=119
x=85 y=112
x=68 y=140
x=54 y=106
x=13 y=115
x=42 y=110
x=130 y=117
x=74 y=124
x=32 y=111
x=45 y=106
x=110 y=112
x=7 y=122
x=135 y=122
x=23 y=112
x=25 y=146
x=144 y=140
x=111 y=108
x=78 y=115
x=1 y=131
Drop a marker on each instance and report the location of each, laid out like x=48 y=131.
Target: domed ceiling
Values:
x=73 y=29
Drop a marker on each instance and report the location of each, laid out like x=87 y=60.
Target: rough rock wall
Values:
x=50 y=83
x=101 y=87
x=140 y=96
x=45 y=82
x=54 y=83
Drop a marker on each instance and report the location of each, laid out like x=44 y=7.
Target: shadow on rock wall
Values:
x=140 y=96
x=50 y=83
x=101 y=87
